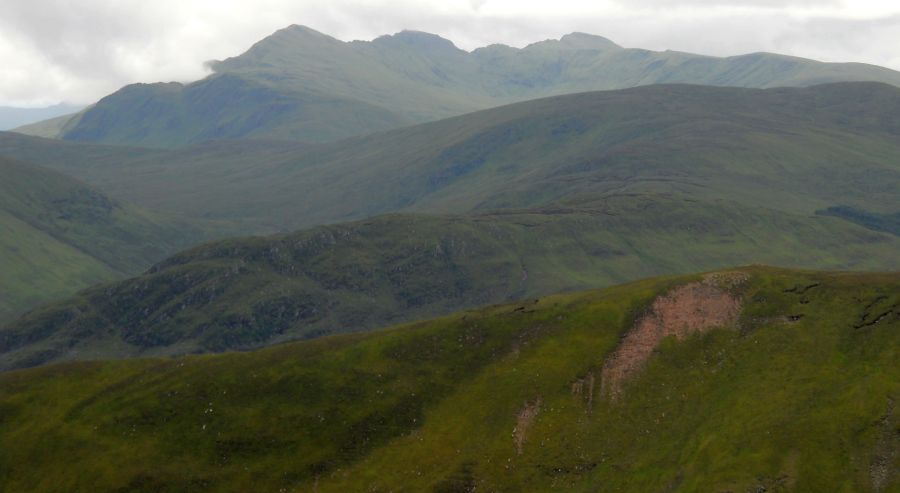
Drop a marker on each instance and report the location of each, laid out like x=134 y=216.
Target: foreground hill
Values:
x=60 y=236
x=796 y=150
x=244 y=293
x=748 y=380
x=303 y=85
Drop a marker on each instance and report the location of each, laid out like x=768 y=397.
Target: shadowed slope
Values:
x=225 y=107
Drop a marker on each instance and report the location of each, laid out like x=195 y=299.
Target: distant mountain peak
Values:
x=283 y=41
x=417 y=39
x=300 y=29
x=588 y=41
x=575 y=41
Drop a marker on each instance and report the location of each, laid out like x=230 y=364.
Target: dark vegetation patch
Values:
x=461 y=480
x=888 y=223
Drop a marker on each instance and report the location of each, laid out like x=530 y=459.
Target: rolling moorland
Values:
x=299 y=84
x=58 y=236
x=577 y=191
x=754 y=379
x=251 y=292
x=796 y=150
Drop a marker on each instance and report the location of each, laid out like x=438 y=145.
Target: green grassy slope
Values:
x=244 y=293
x=38 y=268
x=798 y=150
x=60 y=236
x=304 y=85
x=136 y=174
x=49 y=129
x=798 y=395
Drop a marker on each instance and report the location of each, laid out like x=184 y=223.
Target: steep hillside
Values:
x=225 y=107
x=52 y=128
x=58 y=236
x=747 y=380
x=244 y=293
x=797 y=150
x=304 y=85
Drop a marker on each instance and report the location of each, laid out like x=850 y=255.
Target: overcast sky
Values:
x=80 y=50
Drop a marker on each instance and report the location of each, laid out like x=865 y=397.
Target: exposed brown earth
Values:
x=583 y=388
x=523 y=422
x=882 y=470
x=692 y=308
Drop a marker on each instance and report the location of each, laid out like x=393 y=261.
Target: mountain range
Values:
x=201 y=283
x=299 y=84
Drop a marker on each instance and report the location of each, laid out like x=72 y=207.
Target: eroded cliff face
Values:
x=524 y=420
x=685 y=310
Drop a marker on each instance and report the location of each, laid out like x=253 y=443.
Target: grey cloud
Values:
x=81 y=36
x=729 y=3
x=832 y=39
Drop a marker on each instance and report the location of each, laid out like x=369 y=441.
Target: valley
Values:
x=60 y=236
